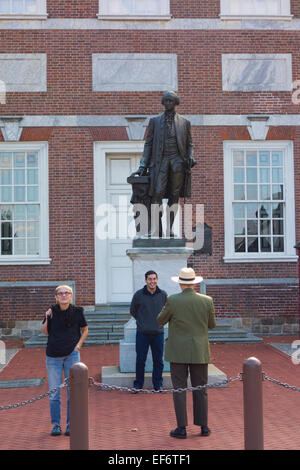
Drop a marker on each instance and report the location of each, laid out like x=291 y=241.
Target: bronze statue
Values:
x=167 y=159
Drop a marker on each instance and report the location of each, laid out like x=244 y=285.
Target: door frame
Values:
x=101 y=150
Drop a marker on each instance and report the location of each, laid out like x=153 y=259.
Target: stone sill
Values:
x=264 y=259
x=256 y=17
x=24 y=17
x=13 y=262
x=134 y=17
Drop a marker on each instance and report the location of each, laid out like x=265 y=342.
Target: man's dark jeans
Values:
x=156 y=343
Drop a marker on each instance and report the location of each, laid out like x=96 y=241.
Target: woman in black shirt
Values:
x=67 y=329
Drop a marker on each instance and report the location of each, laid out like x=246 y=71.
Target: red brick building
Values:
x=78 y=83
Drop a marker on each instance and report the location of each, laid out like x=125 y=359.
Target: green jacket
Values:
x=189 y=315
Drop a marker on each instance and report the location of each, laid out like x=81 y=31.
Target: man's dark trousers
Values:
x=156 y=343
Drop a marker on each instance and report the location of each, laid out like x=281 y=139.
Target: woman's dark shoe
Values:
x=180 y=433
x=56 y=431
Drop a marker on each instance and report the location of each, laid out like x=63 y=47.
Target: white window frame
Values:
x=289 y=255
x=285 y=12
x=105 y=11
x=42 y=149
x=41 y=13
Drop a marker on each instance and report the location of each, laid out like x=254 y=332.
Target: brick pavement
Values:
x=121 y=421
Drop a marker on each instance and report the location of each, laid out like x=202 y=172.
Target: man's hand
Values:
x=48 y=313
x=192 y=162
x=141 y=171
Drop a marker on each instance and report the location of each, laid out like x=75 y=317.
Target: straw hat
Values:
x=187 y=276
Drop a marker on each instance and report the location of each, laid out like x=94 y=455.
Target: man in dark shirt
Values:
x=145 y=307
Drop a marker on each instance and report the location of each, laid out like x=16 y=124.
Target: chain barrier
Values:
x=32 y=400
x=106 y=387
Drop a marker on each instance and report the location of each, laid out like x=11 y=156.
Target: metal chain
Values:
x=106 y=387
x=277 y=382
x=32 y=400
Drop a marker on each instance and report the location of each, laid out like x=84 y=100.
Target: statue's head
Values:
x=170 y=96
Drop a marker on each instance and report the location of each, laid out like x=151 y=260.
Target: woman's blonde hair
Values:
x=65 y=286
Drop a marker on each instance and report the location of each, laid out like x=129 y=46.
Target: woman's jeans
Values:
x=55 y=368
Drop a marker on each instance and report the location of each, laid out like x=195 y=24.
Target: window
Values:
x=23 y=9
x=134 y=9
x=24 y=204
x=259 y=201
x=264 y=9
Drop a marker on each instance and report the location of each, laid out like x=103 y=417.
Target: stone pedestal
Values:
x=166 y=261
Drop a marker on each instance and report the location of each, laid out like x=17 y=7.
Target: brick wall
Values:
x=69 y=71
x=24 y=303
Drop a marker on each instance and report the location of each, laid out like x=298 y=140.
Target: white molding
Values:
x=229 y=10
x=134 y=17
x=24 y=17
x=42 y=148
x=101 y=150
x=256 y=17
x=289 y=255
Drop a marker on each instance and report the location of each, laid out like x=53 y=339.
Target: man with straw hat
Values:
x=187 y=348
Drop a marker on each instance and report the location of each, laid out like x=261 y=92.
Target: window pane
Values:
x=265 y=211
x=33 y=212
x=252 y=192
x=264 y=158
x=6 y=229
x=251 y=159
x=265 y=244
x=19 y=246
x=19 y=193
x=33 y=229
x=252 y=244
x=5 y=177
x=238 y=175
x=32 y=246
x=6 y=213
x=4 y=6
x=238 y=211
x=264 y=175
x=19 y=229
x=278 y=227
x=6 y=247
x=31 y=6
x=19 y=160
x=277 y=191
x=6 y=194
x=32 y=177
x=278 y=243
x=17 y=6
x=19 y=176
x=277 y=159
x=238 y=158
x=239 y=192
x=19 y=212
x=239 y=245
x=32 y=193
x=277 y=175
x=252 y=227
x=32 y=160
x=252 y=210
x=5 y=160
x=251 y=175
x=265 y=227
x=265 y=192
x=239 y=227
x=277 y=210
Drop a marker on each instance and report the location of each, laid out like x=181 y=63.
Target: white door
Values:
x=113 y=268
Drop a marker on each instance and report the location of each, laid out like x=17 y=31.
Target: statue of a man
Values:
x=168 y=157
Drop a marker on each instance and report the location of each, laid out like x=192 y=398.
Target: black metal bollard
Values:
x=79 y=413
x=253 y=404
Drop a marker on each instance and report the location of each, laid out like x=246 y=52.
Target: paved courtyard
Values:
x=123 y=421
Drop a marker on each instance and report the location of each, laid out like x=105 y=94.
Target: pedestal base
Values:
x=111 y=375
